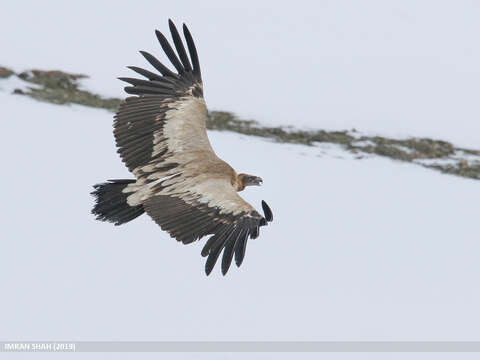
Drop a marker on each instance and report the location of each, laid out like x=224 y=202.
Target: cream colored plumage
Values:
x=180 y=182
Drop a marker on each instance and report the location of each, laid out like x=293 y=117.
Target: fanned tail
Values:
x=111 y=203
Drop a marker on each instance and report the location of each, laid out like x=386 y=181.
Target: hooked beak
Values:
x=255 y=180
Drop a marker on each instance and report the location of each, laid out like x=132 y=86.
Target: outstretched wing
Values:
x=190 y=208
x=161 y=137
x=169 y=111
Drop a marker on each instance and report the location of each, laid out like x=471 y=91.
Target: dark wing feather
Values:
x=179 y=46
x=167 y=113
x=193 y=53
x=215 y=251
x=240 y=248
x=267 y=211
x=169 y=52
x=188 y=222
x=139 y=117
x=148 y=74
x=158 y=65
x=230 y=247
x=152 y=83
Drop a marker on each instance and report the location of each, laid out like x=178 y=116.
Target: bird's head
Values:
x=248 y=180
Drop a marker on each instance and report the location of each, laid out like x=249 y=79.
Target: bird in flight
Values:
x=161 y=136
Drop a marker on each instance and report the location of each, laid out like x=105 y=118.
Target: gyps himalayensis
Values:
x=161 y=136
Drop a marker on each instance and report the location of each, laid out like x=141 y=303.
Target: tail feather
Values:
x=111 y=203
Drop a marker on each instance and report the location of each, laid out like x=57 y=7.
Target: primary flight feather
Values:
x=161 y=137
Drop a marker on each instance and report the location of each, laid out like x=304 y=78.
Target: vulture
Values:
x=160 y=134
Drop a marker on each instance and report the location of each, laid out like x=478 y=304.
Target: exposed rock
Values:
x=63 y=88
x=5 y=72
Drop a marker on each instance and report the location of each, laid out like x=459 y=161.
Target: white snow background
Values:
x=393 y=67
x=359 y=249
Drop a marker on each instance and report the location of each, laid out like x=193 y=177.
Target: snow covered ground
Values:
x=398 y=68
x=359 y=250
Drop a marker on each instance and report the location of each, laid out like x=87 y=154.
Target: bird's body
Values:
x=180 y=182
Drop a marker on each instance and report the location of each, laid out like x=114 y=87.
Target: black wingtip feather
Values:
x=179 y=46
x=255 y=233
x=193 y=52
x=148 y=74
x=211 y=261
x=227 y=256
x=157 y=64
x=236 y=246
x=240 y=248
x=163 y=86
x=267 y=211
x=206 y=248
x=142 y=90
x=169 y=52
x=212 y=258
x=218 y=245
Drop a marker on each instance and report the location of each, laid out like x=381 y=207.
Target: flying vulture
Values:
x=161 y=136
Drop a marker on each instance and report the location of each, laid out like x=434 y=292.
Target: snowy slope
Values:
x=365 y=249
x=398 y=68
x=359 y=249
